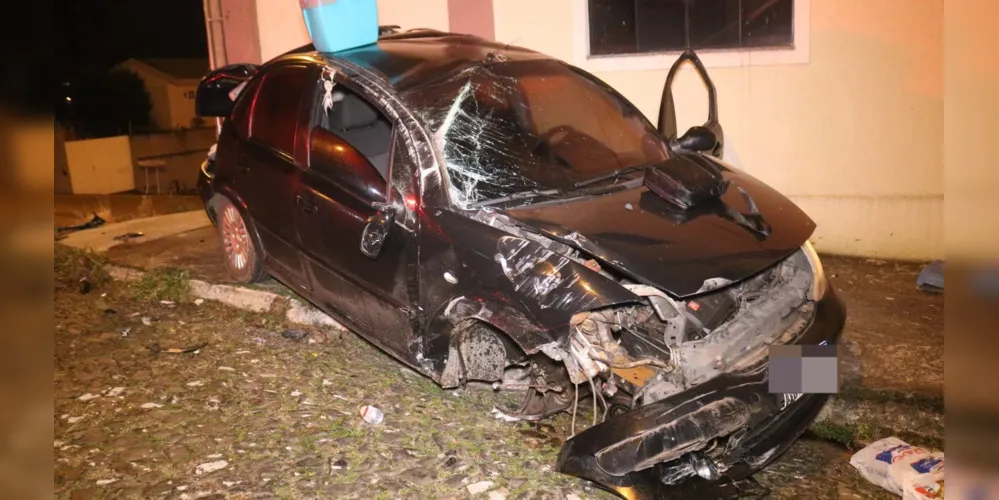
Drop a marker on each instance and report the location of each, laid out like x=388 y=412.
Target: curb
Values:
x=242 y=298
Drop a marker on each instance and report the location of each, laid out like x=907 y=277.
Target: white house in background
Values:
x=171 y=84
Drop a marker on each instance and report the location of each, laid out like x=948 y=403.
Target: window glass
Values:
x=360 y=125
x=274 y=111
x=649 y=26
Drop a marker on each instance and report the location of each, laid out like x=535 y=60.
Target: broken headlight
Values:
x=819 y=283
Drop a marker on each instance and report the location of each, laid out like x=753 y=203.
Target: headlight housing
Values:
x=819 y=283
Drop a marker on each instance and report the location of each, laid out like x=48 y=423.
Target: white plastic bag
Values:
x=910 y=471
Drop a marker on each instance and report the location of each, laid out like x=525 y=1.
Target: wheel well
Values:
x=480 y=351
x=210 y=207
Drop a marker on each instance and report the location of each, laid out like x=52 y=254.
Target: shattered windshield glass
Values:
x=517 y=127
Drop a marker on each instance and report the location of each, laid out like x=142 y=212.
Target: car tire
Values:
x=240 y=252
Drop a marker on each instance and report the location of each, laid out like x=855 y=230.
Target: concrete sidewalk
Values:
x=891 y=358
x=101 y=239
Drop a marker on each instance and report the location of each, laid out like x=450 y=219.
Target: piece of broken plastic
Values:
x=931 y=278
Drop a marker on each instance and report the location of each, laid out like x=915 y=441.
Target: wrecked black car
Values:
x=483 y=212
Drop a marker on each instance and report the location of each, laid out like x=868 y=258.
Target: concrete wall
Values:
x=180 y=99
x=182 y=151
x=100 y=166
x=256 y=31
x=853 y=135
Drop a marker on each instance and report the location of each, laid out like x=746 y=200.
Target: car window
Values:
x=360 y=125
x=531 y=126
x=241 y=110
x=274 y=111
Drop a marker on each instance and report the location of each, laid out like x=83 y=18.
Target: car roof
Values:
x=414 y=58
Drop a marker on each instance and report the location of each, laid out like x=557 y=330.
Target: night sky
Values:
x=101 y=33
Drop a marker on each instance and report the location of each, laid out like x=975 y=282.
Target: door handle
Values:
x=305 y=205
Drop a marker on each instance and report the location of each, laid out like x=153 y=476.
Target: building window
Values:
x=626 y=27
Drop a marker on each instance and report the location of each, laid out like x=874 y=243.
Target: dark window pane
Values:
x=642 y=26
x=714 y=24
x=275 y=110
x=767 y=23
x=612 y=26
x=661 y=25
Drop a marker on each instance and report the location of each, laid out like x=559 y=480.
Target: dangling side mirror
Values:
x=376 y=230
x=698 y=138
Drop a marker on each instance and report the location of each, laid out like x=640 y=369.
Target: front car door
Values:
x=266 y=168
x=351 y=154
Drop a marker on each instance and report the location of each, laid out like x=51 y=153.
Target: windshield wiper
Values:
x=520 y=195
x=613 y=174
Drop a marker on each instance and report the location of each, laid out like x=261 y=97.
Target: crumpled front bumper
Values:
x=631 y=454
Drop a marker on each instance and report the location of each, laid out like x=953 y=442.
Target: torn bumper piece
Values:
x=641 y=453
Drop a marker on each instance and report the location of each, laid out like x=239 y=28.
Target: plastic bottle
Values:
x=372 y=415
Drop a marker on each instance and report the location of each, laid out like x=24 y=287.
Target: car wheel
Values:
x=242 y=257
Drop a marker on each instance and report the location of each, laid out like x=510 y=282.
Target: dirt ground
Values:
x=257 y=413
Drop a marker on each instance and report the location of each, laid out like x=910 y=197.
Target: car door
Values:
x=351 y=151
x=266 y=167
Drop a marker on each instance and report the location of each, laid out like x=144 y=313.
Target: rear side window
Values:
x=274 y=111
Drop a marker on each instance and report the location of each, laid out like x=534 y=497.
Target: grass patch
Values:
x=843 y=434
x=73 y=265
x=163 y=284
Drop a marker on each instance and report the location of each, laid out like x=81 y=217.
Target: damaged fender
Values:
x=524 y=289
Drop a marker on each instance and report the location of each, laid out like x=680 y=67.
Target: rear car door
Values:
x=350 y=156
x=266 y=169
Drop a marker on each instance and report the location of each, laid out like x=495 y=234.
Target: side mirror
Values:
x=698 y=138
x=667 y=113
x=376 y=231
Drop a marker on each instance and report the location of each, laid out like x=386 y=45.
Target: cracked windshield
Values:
x=527 y=126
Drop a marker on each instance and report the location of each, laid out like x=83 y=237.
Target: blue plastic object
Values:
x=931 y=278
x=336 y=25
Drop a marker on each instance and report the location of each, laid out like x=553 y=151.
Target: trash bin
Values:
x=336 y=25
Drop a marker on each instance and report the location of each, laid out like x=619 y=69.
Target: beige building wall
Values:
x=281 y=26
x=853 y=135
x=100 y=166
x=180 y=98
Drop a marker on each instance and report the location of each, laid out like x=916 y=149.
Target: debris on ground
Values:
x=372 y=415
x=479 y=487
x=207 y=467
x=931 y=278
x=128 y=236
x=338 y=464
x=150 y=406
x=84 y=285
x=912 y=472
x=296 y=335
x=156 y=349
x=96 y=221
x=198 y=302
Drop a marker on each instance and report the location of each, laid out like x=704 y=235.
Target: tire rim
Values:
x=235 y=239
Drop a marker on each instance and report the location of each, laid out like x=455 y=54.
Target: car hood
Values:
x=684 y=253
